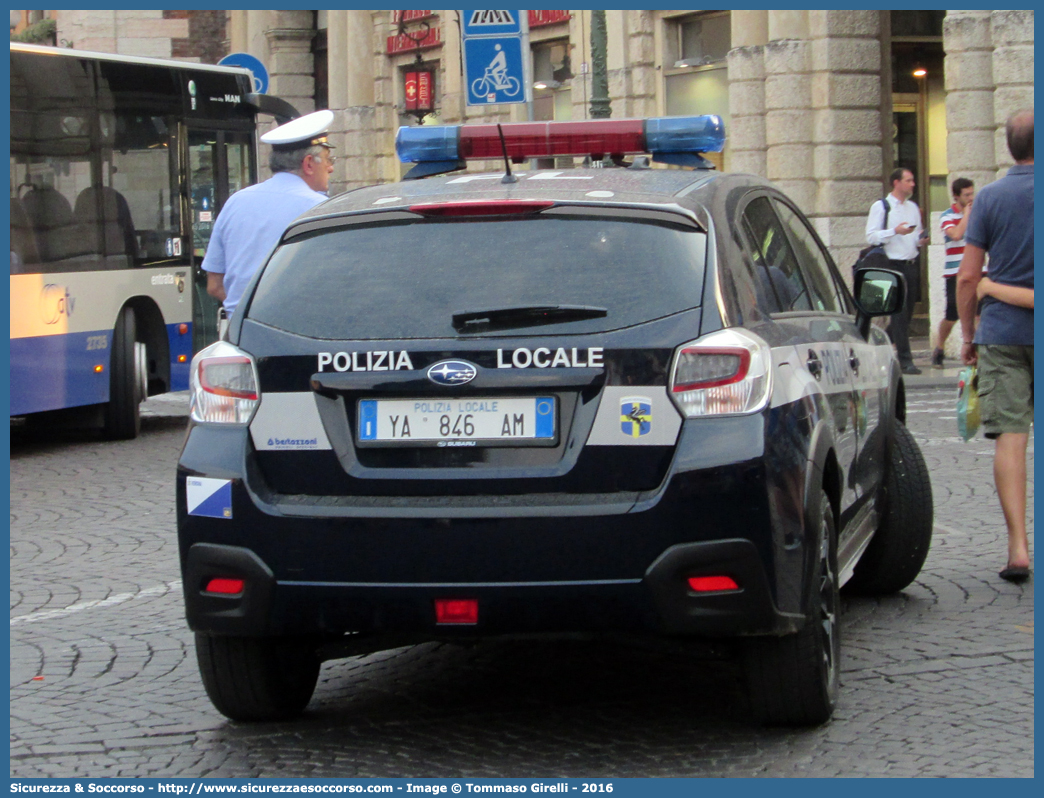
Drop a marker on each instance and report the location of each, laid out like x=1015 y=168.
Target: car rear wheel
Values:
x=900 y=545
x=793 y=680
x=258 y=678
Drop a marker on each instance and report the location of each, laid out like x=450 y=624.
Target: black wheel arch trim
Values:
x=817 y=479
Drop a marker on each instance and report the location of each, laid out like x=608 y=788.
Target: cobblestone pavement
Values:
x=936 y=681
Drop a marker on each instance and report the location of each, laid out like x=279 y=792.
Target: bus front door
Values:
x=220 y=164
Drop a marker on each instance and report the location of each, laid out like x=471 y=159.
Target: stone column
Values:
x=746 y=136
x=746 y=60
x=1012 y=35
x=290 y=68
x=846 y=128
x=360 y=113
x=640 y=100
x=291 y=65
x=970 y=116
x=970 y=130
x=338 y=80
x=386 y=167
x=788 y=112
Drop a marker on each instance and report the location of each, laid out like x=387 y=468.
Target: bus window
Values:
x=141 y=106
x=51 y=162
x=137 y=168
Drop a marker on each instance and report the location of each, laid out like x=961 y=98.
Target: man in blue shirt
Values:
x=1002 y=225
x=253 y=219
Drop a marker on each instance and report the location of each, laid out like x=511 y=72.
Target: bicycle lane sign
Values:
x=493 y=70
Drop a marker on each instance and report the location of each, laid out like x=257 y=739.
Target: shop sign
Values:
x=404 y=44
x=538 y=19
x=418 y=91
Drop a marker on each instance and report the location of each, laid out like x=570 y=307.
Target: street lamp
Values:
x=600 y=108
x=418 y=83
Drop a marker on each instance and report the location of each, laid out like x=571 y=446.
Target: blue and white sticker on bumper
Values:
x=208 y=497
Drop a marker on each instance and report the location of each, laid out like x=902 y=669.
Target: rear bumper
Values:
x=617 y=566
x=659 y=601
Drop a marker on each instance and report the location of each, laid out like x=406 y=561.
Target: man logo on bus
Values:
x=55 y=301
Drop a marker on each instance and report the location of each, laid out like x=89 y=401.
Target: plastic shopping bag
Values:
x=968 y=402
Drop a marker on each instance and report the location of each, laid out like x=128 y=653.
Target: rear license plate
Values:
x=474 y=421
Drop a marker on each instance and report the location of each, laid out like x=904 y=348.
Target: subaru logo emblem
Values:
x=452 y=372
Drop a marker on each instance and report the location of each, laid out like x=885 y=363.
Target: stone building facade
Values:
x=809 y=97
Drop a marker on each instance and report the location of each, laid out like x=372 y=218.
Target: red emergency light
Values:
x=545 y=140
x=676 y=140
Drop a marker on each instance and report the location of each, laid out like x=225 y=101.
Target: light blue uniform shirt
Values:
x=249 y=226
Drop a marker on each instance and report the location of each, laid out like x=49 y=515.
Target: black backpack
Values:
x=874 y=257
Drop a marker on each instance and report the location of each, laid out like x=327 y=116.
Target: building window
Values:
x=702 y=40
x=917 y=23
x=552 y=77
x=696 y=79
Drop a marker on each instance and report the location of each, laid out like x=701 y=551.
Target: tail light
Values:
x=223 y=385
x=724 y=373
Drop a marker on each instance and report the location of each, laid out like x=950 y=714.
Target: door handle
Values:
x=815 y=365
x=853 y=361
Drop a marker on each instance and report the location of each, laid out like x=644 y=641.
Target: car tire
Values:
x=794 y=680
x=258 y=678
x=122 y=413
x=898 y=549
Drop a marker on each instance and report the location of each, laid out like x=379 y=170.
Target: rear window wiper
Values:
x=523 y=316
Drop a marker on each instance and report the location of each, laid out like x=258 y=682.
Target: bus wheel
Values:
x=126 y=378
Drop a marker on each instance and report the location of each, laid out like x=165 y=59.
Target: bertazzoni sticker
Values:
x=208 y=497
x=288 y=422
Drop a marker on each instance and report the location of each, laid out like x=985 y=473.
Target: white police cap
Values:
x=305 y=131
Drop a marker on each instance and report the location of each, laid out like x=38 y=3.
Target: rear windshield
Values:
x=408 y=279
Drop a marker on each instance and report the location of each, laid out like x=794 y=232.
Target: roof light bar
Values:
x=674 y=139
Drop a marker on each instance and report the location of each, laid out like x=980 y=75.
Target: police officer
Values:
x=253 y=219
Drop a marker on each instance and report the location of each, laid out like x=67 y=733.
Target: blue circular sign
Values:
x=257 y=69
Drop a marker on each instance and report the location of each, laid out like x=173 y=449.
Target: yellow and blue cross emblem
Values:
x=636 y=416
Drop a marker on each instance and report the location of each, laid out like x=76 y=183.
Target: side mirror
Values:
x=878 y=292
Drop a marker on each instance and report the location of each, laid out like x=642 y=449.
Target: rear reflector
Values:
x=481 y=208
x=224 y=585
x=712 y=584
x=460 y=611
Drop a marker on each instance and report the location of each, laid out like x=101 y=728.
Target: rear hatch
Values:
x=499 y=356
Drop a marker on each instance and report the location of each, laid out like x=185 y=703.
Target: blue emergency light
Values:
x=678 y=140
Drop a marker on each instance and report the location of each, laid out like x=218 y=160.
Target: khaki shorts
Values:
x=1005 y=388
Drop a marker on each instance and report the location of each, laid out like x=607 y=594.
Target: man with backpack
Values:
x=894 y=223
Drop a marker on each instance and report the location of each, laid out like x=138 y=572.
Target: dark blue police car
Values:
x=619 y=401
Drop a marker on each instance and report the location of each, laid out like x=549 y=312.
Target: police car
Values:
x=608 y=401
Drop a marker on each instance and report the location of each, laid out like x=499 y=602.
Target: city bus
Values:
x=119 y=166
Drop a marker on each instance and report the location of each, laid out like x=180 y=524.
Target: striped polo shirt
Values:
x=954 y=249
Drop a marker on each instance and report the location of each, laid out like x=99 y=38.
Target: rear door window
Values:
x=823 y=291
x=408 y=279
x=780 y=285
